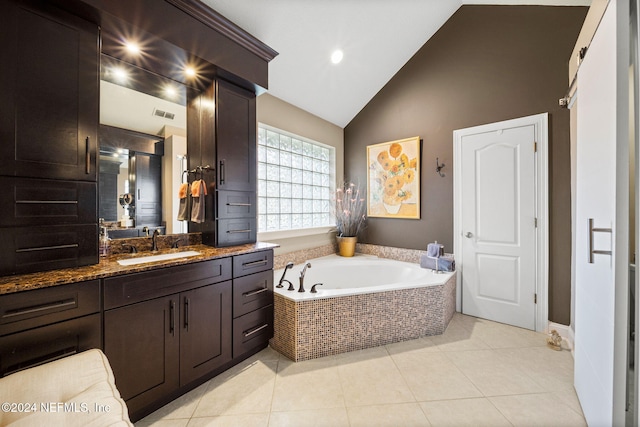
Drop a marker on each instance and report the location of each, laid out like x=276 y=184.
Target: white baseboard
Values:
x=565 y=331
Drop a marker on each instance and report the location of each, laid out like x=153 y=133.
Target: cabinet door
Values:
x=148 y=188
x=235 y=138
x=205 y=335
x=49 y=85
x=141 y=342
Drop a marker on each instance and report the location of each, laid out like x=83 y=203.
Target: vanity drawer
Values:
x=236 y=204
x=252 y=292
x=236 y=231
x=26 y=310
x=252 y=330
x=253 y=262
x=25 y=202
x=137 y=287
x=29 y=249
x=38 y=346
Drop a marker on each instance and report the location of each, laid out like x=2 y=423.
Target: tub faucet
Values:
x=282 y=279
x=304 y=270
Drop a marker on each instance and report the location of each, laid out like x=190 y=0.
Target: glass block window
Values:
x=295 y=181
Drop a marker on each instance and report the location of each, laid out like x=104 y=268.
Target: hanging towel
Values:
x=198 y=193
x=183 y=195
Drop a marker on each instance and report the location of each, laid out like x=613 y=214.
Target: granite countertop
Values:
x=109 y=266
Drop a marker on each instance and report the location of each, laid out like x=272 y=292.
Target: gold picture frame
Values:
x=393 y=183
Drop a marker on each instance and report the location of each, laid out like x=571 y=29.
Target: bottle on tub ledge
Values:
x=435 y=259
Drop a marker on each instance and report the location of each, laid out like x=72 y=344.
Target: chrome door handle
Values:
x=468 y=235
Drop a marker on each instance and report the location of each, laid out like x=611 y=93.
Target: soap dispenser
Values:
x=104 y=241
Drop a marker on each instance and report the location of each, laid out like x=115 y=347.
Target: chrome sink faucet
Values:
x=304 y=270
x=154 y=240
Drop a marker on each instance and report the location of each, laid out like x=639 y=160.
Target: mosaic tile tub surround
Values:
x=315 y=328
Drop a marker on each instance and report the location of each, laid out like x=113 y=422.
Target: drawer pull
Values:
x=239 y=231
x=186 y=313
x=255 y=263
x=259 y=291
x=87 y=159
x=46 y=202
x=172 y=317
x=253 y=331
x=47 y=248
x=40 y=308
x=238 y=204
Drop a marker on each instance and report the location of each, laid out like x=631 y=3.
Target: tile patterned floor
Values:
x=477 y=373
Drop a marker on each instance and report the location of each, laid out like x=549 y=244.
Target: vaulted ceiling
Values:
x=377 y=37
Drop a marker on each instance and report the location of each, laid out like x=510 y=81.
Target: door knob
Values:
x=468 y=235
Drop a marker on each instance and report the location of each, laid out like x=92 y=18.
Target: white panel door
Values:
x=596 y=198
x=498 y=215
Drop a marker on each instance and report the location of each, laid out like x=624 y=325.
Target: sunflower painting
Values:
x=394 y=179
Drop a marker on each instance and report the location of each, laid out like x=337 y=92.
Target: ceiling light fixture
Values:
x=132 y=48
x=337 y=56
x=120 y=75
x=190 y=72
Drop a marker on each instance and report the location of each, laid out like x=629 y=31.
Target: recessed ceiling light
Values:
x=171 y=92
x=190 y=71
x=132 y=47
x=120 y=75
x=337 y=56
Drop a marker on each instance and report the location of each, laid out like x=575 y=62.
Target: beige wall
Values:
x=282 y=115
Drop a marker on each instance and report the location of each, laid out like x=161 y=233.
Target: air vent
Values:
x=164 y=114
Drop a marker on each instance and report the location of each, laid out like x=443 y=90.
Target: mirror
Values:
x=143 y=148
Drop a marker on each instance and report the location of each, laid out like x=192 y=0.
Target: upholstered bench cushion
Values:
x=78 y=390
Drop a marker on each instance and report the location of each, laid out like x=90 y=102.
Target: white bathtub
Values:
x=360 y=274
x=365 y=301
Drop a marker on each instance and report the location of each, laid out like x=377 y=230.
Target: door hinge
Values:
x=535 y=298
x=535 y=147
x=535 y=222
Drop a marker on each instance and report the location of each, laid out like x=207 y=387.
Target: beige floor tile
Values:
x=464 y=412
x=494 y=374
x=457 y=338
x=163 y=423
x=310 y=418
x=420 y=345
x=248 y=420
x=362 y=355
x=181 y=408
x=372 y=382
x=537 y=410
x=553 y=370
x=244 y=390
x=498 y=335
x=307 y=385
x=403 y=414
x=433 y=376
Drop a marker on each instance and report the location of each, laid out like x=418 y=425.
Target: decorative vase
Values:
x=392 y=209
x=347 y=246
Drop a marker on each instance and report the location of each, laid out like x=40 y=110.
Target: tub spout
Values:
x=302 y=273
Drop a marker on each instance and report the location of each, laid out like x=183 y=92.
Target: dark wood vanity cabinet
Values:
x=252 y=301
x=50 y=94
x=167 y=328
x=236 y=165
x=47 y=324
x=48 y=138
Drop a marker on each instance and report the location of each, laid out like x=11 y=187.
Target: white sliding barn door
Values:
x=599 y=199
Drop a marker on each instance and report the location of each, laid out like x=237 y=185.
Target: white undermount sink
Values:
x=154 y=258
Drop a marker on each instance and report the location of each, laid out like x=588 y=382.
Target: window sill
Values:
x=287 y=234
